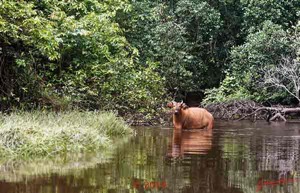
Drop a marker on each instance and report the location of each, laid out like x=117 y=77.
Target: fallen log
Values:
x=254 y=112
x=291 y=110
x=280 y=112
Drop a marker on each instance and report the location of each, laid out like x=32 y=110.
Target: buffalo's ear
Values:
x=184 y=106
x=170 y=104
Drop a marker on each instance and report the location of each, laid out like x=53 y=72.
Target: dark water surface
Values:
x=235 y=157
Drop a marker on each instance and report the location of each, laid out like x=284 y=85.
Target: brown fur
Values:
x=190 y=118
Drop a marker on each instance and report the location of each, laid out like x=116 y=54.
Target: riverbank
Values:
x=28 y=134
x=248 y=109
x=232 y=110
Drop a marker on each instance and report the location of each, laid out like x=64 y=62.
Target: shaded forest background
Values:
x=133 y=55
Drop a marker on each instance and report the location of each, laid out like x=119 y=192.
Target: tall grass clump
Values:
x=49 y=133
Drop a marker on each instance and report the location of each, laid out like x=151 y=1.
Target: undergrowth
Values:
x=38 y=133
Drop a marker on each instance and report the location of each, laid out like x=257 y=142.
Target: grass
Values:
x=28 y=134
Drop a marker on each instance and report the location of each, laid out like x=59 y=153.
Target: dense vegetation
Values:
x=35 y=134
x=131 y=55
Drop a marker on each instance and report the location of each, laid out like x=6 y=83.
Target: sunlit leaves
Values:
x=75 y=49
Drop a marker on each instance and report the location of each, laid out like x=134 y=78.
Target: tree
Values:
x=261 y=48
x=184 y=42
x=26 y=39
x=72 y=52
x=285 y=75
x=256 y=12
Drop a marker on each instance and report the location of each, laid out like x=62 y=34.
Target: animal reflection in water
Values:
x=190 y=142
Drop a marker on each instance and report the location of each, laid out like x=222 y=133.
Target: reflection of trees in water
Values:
x=239 y=166
x=230 y=163
x=262 y=159
x=192 y=154
x=279 y=154
x=144 y=159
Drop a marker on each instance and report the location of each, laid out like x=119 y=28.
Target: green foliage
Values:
x=130 y=55
x=184 y=44
x=181 y=36
x=262 y=49
x=283 y=13
x=73 y=50
x=229 y=90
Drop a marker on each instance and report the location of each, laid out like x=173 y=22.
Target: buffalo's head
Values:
x=177 y=107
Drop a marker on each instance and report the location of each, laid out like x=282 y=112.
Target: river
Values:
x=235 y=157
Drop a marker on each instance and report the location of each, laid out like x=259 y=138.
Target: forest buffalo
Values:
x=185 y=117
